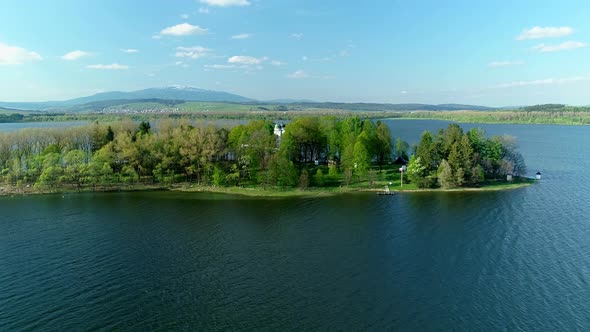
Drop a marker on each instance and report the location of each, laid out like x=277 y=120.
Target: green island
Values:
x=309 y=156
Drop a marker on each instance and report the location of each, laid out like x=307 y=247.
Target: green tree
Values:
x=304 y=180
x=129 y=175
x=106 y=174
x=477 y=175
x=218 y=177
x=401 y=148
x=110 y=135
x=445 y=175
x=75 y=171
x=281 y=172
x=319 y=178
x=52 y=171
x=144 y=128
x=233 y=177
x=362 y=159
x=418 y=173
x=455 y=163
x=426 y=151
x=330 y=127
x=303 y=140
x=450 y=136
x=383 y=144
x=511 y=161
x=253 y=143
x=332 y=171
x=369 y=137
x=350 y=129
x=347 y=176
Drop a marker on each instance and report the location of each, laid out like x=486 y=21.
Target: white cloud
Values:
x=496 y=64
x=129 y=50
x=297 y=35
x=183 y=29
x=248 y=63
x=184 y=16
x=242 y=36
x=14 y=55
x=245 y=60
x=194 y=52
x=226 y=3
x=204 y=10
x=323 y=59
x=114 y=66
x=545 y=81
x=544 y=32
x=565 y=46
x=298 y=74
x=403 y=92
x=219 y=66
x=74 y=55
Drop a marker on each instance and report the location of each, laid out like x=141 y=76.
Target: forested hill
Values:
x=183 y=93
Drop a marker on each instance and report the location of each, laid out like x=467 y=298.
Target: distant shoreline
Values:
x=498 y=117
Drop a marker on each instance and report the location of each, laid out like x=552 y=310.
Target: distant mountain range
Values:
x=177 y=94
x=167 y=93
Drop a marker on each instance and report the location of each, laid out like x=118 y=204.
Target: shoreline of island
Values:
x=267 y=192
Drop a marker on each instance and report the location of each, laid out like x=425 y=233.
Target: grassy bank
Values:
x=331 y=191
x=486 y=186
x=270 y=192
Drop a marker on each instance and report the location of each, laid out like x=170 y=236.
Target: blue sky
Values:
x=493 y=53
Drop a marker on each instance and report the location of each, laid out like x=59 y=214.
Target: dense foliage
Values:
x=7 y=118
x=312 y=151
x=540 y=114
x=453 y=158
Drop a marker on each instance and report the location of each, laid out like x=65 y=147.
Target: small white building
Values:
x=279 y=129
x=538 y=176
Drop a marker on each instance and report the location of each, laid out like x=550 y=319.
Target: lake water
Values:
x=6 y=127
x=513 y=260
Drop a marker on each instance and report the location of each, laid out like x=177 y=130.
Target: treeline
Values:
x=566 y=116
x=544 y=108
x=7 y=118
x=452 y=158
x=269 y=115
x=127 y=153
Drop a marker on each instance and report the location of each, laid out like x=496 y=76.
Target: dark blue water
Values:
x=7 y=127
x=512 y=260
